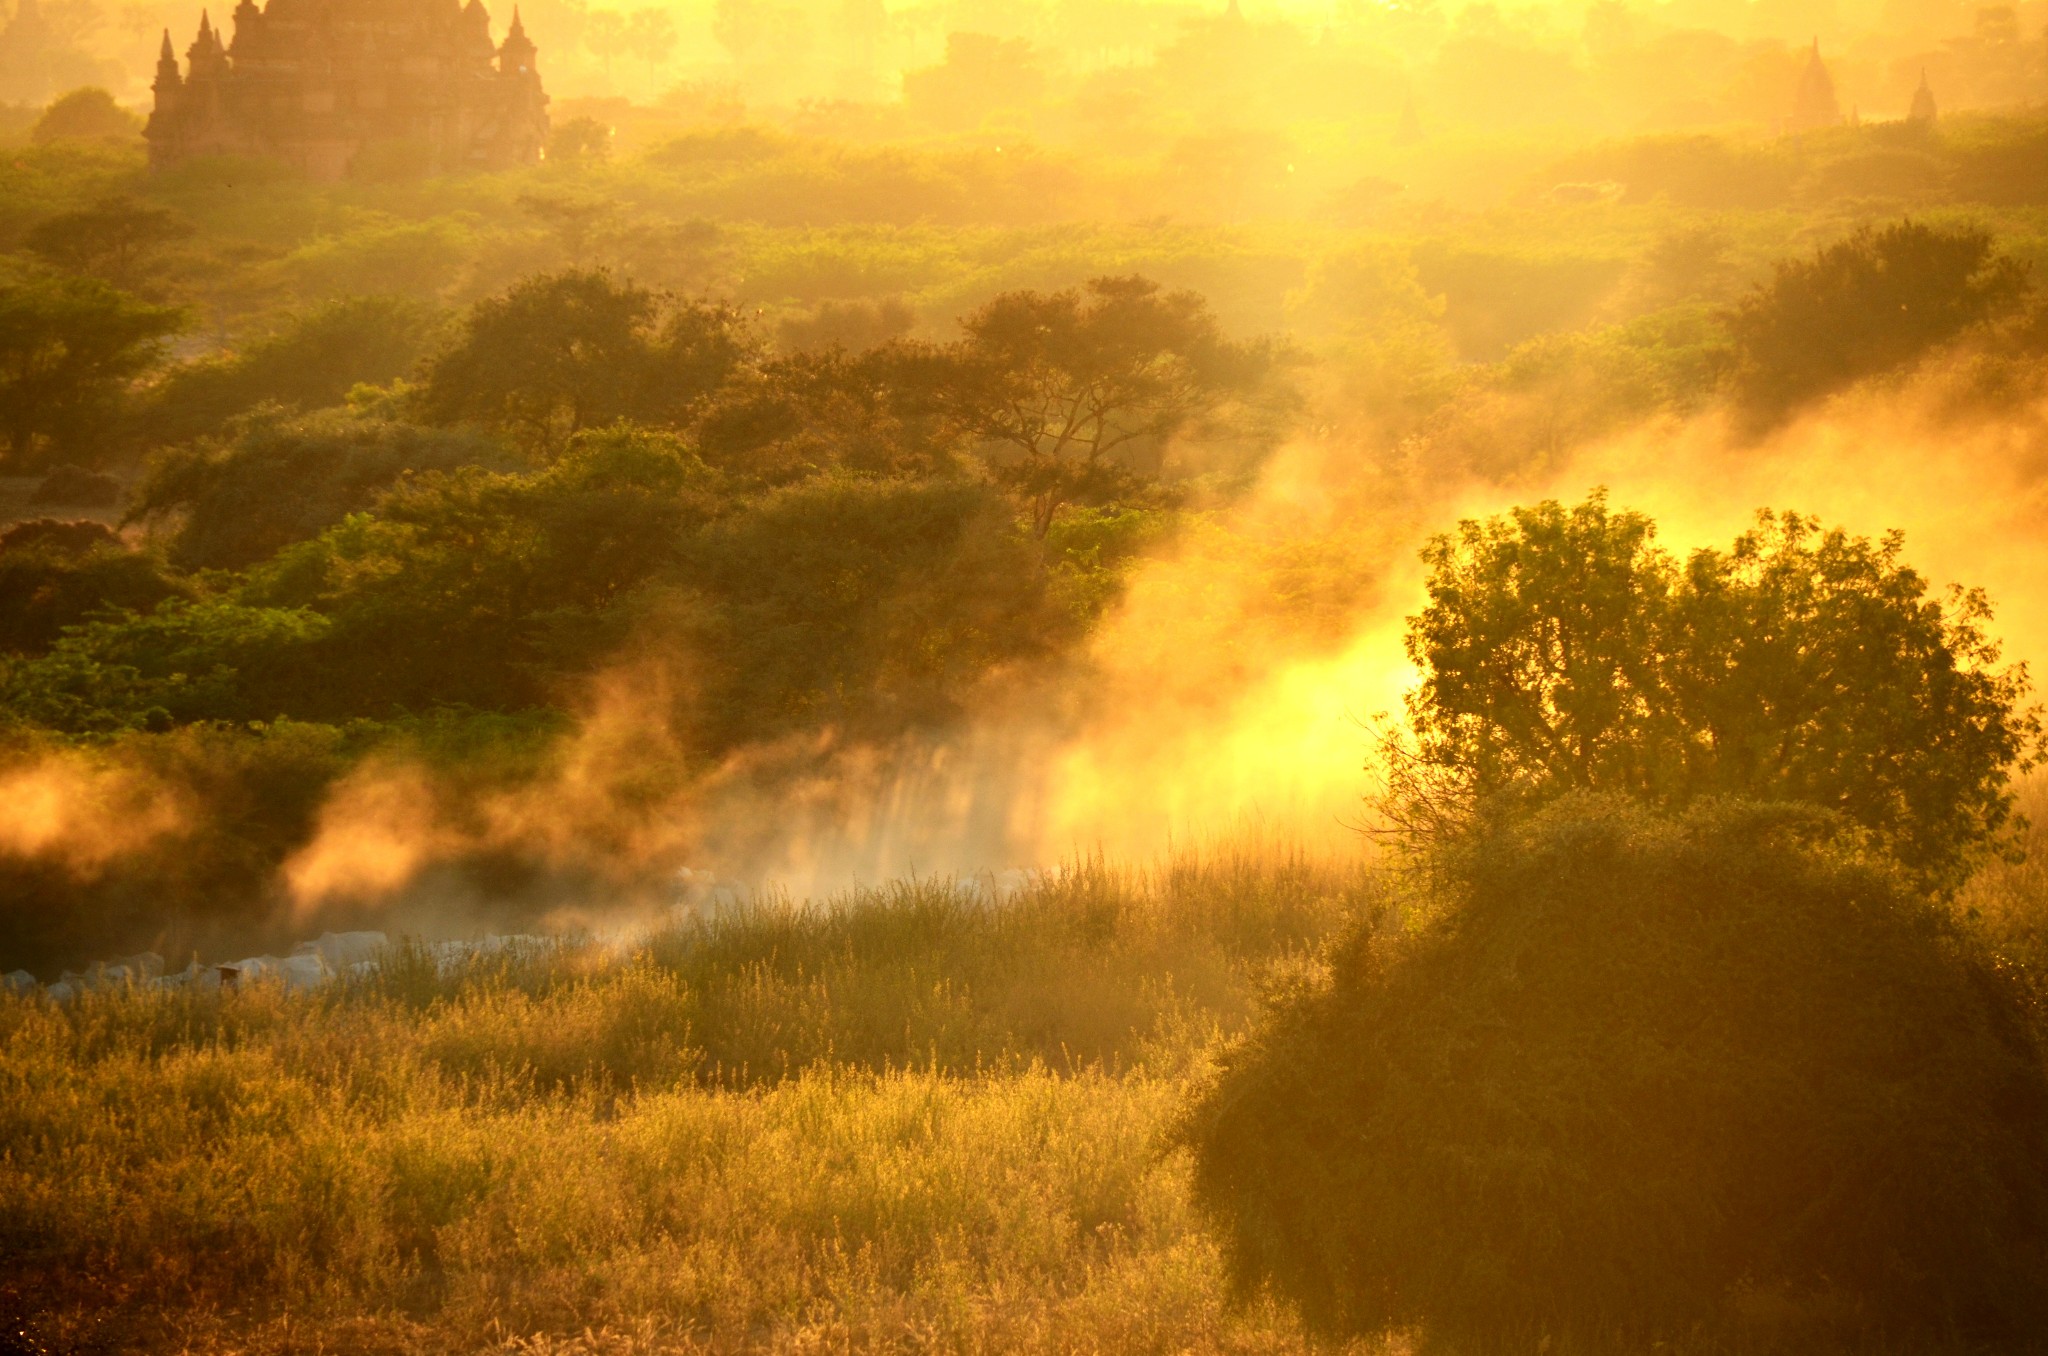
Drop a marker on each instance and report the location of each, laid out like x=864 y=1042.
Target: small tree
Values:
x=88 y=114
x=69 y=347
x=1070 y=384
x=1564 y=651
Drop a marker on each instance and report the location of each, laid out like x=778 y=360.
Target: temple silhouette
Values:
x=331 y=86
x=1813 y=102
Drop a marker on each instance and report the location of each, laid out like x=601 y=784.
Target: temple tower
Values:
x=1922 y=113
x=335 y=86
x=1813 y=103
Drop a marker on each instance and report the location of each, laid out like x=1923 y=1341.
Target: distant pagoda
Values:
x=316 y=83
x=1922 y=113
x=1814 y=104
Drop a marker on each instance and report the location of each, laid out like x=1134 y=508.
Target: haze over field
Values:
x=1023 y=675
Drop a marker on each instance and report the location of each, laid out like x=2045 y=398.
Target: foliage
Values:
x=866 y=606
x=1868 y=304
x=877 y=412
x=1635 y=1077
x=1080 y=391
x=184 y=660
x=473 y=586
x=279 y=479
x=1563 y=651
x=88 y=114
x=569 y=351
x=68 y=348
x=579 y=141
x=310 y=364
x=115 y=239
x=1494 y=301
x=54 y=575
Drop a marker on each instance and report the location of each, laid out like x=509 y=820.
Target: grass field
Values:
x=904 y=1122
x=901 y=1121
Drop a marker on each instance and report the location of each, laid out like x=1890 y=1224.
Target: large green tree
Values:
x=1563 y=650
x=69 y=350
x=564 y=352
x=1078 y=391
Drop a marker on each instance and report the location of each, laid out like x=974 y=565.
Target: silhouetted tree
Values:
x=69 y=347
x=1563 y=651
x=1070 y=386
x=568 y=351
x=1862 y=306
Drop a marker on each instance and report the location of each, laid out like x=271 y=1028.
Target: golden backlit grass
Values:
x=909 y=1121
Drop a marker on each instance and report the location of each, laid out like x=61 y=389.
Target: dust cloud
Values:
x=79 y=814
x=1230 y=693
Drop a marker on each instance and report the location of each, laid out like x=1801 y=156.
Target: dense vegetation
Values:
x=910 y=1119
x=488 y=548
x=1639 y=1076
x=857 y=476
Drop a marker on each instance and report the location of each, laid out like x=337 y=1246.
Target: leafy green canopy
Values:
x=1564 y=651
x=68 y=349
x=312 y=363
x=1638 y=1076
x=563 y=352
x=281 y=479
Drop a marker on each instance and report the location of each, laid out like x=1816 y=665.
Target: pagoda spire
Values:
x=1923 y=112
x=168 y=81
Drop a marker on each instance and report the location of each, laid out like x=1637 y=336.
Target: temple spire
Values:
x=1923 y=111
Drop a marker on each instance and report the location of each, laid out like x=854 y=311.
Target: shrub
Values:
x=1869 y=304
x=1631 y=1072
x=283 y=479
x=312 y=363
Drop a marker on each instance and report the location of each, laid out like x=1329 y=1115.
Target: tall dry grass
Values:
x=905 y=1120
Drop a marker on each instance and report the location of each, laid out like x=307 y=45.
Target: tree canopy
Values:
x=1075 y=386
x=563 y=352
x=1864 y=305
x=69 y=347
x=1563 y=650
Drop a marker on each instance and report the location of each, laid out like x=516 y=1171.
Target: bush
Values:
x=56 y=574
x=1633 y=1076
x=1873 y=302
x=281 y=479
x=313 y=363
